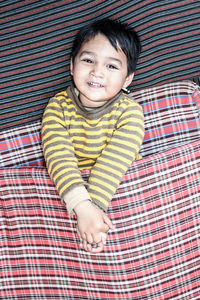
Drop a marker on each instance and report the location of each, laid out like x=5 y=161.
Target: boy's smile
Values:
x=99 y=71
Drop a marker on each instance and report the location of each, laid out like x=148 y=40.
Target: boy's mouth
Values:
x=95 y=84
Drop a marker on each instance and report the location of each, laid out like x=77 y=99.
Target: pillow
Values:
x=171 y=119
x=172 y=115
x=153 y=252
x=20 y=146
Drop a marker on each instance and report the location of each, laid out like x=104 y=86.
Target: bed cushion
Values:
x=171 y=119
x=21 y=146
x=172 y=115
x=153 y=252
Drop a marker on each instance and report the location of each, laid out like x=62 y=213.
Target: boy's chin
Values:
x=93 y=100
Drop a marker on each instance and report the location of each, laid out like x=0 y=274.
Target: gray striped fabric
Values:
x=36 y=38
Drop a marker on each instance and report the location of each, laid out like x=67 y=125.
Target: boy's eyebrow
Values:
x=116 y=59
x=109 y=57
x=86 y=52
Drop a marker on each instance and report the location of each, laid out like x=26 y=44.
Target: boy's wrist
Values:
x=75 y=196
x=78 y=209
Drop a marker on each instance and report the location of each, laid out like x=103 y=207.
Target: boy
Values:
x=94 y=125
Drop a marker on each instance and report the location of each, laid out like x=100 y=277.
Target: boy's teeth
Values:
x=95 y=84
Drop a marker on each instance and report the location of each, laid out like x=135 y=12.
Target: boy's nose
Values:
x=97 y=70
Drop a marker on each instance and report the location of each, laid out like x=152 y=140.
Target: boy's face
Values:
x=99 y=71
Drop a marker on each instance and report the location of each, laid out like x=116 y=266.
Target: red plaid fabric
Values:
x=153 y=252
x=171 y=114
x=21 y=146
x=171 y=119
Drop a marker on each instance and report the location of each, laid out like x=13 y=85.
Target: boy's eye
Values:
x=87 y=60
x=113 y=67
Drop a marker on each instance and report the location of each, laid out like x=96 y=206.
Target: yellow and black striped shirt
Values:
x=105 y=140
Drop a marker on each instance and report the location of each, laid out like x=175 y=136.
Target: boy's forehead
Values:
x=100 y=43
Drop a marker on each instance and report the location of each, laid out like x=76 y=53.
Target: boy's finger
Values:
x=85 y=245
x=82 y=236
x=89 y=239
x=103 y=237
x=98 y=249
x=108 y=221
x=97 y=238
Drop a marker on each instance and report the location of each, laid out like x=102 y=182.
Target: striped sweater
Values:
x=105 y=140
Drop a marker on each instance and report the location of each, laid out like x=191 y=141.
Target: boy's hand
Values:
x=93 y=225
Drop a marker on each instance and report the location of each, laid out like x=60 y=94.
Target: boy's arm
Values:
x=59 y=155
x=117 y=156
x=63 y=168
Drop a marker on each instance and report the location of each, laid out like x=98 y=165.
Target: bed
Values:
x=153 y=252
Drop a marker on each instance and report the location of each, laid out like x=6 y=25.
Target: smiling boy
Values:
x=87 y=69
x=94 y=125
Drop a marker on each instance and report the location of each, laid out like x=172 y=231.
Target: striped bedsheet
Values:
x=172 y=119
x=153 y=252
x=36 y=38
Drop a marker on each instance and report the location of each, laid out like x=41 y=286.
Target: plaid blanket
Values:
x=21 y=146
x=171 y=114
x=171 y=119
x=153 y=253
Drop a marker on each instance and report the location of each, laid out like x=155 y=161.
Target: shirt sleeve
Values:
x=75 y=196
x=58 y=150
x=117 y=156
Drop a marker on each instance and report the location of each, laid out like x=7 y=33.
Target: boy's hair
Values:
x=117 y=33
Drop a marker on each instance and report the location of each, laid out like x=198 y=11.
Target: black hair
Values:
x=119 y=35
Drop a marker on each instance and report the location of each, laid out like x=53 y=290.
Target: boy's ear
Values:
x=128 y=80
x=71 y=67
